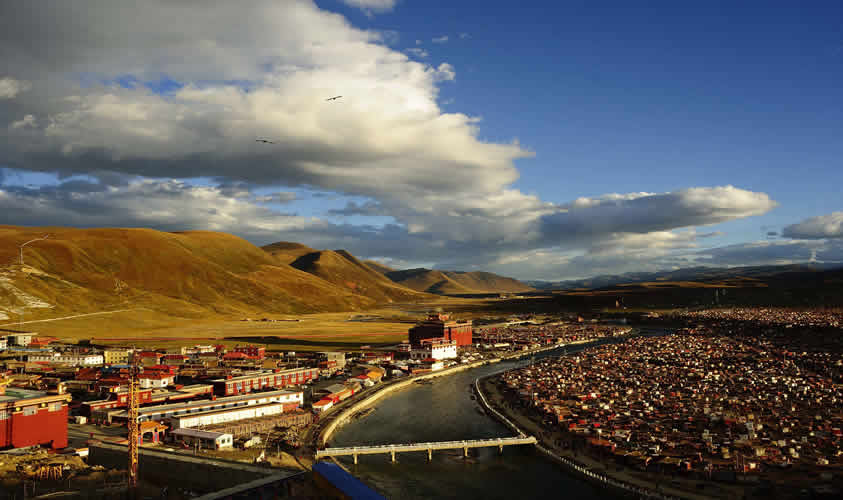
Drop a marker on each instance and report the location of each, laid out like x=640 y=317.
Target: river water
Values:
x=445 y=410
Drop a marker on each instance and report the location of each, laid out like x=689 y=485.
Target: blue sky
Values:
x=664 y=98
x=653 y=98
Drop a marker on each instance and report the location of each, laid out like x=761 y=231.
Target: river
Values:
x=446 y=410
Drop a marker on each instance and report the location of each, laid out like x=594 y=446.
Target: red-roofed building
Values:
x=42 y=341
x=253 y=351
x=174 y=359
x=236 y=356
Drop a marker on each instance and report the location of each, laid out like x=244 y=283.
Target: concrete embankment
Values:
x=346 y=413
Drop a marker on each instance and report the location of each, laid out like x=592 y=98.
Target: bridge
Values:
x=392 y=449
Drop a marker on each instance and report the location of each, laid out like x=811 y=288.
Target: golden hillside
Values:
x=377 y=266
x=286 y=251
x=344 y=270
x=456 y=283
x=188 y=274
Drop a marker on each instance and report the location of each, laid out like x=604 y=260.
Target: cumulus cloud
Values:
x=165 y=205
x=10 y=88
x=648 y=212
x=27 y=121
x=440 y=39
x=370 y=6
x=823 y=226
x=281 y=197
x=386 y=137
x=418 y=52
x=353 y=208
x=268 y=75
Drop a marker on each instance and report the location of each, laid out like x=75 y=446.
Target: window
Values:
x=55 y=406
x=30 y=410
x=4 y=415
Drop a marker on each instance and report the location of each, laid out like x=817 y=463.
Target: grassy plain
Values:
x=318 y=331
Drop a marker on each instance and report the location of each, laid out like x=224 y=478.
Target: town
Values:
x=729 y=399
x=243 y=399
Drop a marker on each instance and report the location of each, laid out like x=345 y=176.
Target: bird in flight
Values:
x=264 y=141
x=333 y=98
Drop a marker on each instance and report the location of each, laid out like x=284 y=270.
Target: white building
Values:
x=435 y=349
x=223 y=416
x=155 y=380
x=197 y=350
x=19 y=339
x=66 y=358
x=203 y=439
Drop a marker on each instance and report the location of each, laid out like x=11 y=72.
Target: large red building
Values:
x=441 y=326
x=30 y=418
x=257 y=381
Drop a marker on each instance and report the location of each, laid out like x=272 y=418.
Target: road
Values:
x=76 y=316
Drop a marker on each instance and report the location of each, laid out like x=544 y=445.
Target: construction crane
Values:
x=134 y=435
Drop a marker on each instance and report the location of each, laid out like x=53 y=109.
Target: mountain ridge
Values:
x=456 y=282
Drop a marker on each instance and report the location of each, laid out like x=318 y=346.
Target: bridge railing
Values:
x=470 y=443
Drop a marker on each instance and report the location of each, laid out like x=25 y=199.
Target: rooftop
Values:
x=199 y=434
x=15 y=394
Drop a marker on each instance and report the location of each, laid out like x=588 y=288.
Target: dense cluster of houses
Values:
x=530 y=336
x=694 y=401
x=768 y=316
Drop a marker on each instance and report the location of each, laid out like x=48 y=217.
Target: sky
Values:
x=552 y=140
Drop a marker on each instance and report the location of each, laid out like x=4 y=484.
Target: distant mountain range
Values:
x=456 y=282
x=686 y=274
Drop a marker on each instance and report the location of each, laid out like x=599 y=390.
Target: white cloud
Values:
x=27 y=121
x=648 y=212
x=464 y=36
x=823 y=226
x=165 y=205
x=371 y=6
x=387 y=140
x=440 y=39
x=417 y=52
x=445 y=72
x=10 y=88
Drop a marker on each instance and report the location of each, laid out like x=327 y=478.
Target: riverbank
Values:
x=338 y=416
x=331 y=421
x=334 y=420
x=555 y=445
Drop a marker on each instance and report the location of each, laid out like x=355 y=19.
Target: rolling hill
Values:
x=347 y=272
x=377 y=266
x=193 y=274
x=286 y=252
x=455 y=282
